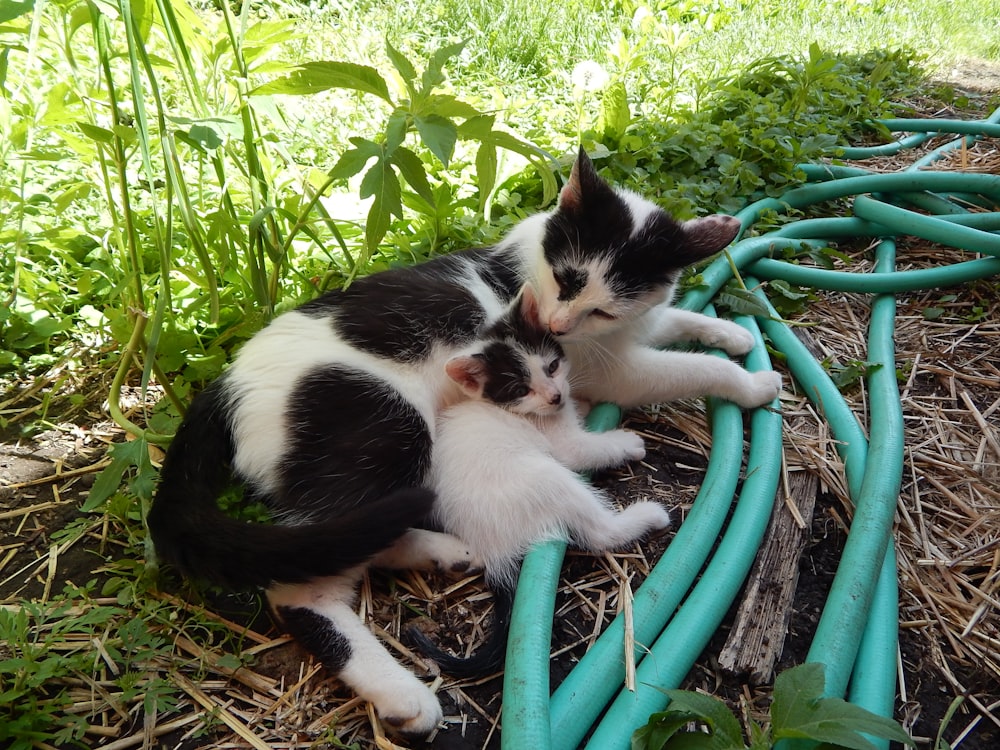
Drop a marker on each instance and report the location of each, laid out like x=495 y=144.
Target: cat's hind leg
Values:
x=420 y=549
x=321 y=616
x=610 y=529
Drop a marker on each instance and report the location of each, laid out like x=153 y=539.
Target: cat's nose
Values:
x=556 y=399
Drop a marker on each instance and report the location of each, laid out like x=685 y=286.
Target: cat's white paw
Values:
x=650 y=516
x=455 y=557
x=625 y=445
x=764 y=387
x=733 y=339
x=413 y=711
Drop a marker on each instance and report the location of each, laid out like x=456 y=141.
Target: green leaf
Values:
x=434 y=74
x=659 y=729
x=439 y=135
x=354 y=160
x=412 y=170
x=313 y=77
x=711 y=711
x=124 y=456
x=799 y=711
x=743 y=302
x=615 y=114
x=400 y=63
x=486 y=173
x=447 y=105
x=381 y=183
x=11 y=9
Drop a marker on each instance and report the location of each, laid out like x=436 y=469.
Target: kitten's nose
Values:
x=556 y=399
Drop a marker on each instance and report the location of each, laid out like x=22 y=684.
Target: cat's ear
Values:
x=708 y=235
x=530 y=311
x=583 y=180
x=469 y=372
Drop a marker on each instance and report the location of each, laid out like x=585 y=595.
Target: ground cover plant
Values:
x=173 y=174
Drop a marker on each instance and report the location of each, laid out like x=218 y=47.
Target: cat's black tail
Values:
x=489 y=658
x=191 y=532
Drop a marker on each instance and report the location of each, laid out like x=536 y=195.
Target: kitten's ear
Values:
x=529 y=307
x=469 y=372
x=709 y=234
x=583 y=179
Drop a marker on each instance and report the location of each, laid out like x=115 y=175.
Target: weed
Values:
x=799 y=711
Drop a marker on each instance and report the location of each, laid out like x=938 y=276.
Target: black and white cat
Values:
x=504 y=465
x=328 y=414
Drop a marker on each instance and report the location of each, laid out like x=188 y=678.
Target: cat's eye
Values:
x=519 y=391
x=597 y=313
x=552 y=367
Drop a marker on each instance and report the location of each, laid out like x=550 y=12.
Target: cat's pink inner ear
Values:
x=709 y=234
x=571 y=196
x=529 y=306
x=468 y=372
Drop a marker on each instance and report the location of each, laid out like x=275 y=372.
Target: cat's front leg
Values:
x=419 y=549
x=320 y=616
x=641 y=376
x=668 y=325
x=576 y=448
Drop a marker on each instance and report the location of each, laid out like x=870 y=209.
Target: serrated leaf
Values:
x=743 y=302
x=615 y=114
x=413 y=172
x=400 y=63
x=124 y=456
x=354 y=159
x=711 y=711
x=322 y=75
x=447 y=105
x=11 y=9
x=434 y=74
x=477 y=128
x=381 y=183
x=659 y=729
x=799 y=711
x=486 y=173
x=439 y=135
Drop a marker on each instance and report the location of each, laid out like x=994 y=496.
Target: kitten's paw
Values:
x=452 y=556
x=628 y=445
x=733 y=339
x=413 y=712
x=649 y=516
x=764 y=387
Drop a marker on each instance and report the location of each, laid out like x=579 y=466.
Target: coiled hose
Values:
x=856 y=638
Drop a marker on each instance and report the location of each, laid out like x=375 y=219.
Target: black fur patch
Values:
x=317 y=635
x=353 y=440
x=401 y=313
x=507 y=379
x=571 y=282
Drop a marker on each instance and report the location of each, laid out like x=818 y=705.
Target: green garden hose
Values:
x=856 y=635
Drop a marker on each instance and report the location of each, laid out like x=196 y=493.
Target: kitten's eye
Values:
x=519 y=391
x=602 y=314
x=552 y=367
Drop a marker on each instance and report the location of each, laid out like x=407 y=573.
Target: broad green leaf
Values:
x=313 y=77
x=434 y=74
x=486 y=173
x=477 y=128
x=412 y=170
x=124 y=456
x=799 y=711
x=743 y=302
x=712 y=712
x=354 y=160
x=439 y=135
x=95 y=132
x=395 y=129
x=11 y=9
x=660 y=728
x=401 y=64
x=381 y=183
x=615 y=114
x=447 y=105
